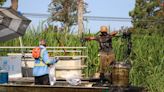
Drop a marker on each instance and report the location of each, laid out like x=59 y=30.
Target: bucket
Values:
x=120 y=74
x=3 y=77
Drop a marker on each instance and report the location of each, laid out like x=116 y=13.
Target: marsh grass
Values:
x=147 y=57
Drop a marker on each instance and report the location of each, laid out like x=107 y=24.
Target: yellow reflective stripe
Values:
x=47 y=62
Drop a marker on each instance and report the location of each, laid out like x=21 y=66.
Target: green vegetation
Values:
x=148 y=50
x=65 y=12
x=147 y=16
x=147 y=55
x=148 y=61
x=2 y=2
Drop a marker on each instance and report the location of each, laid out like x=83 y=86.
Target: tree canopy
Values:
x=2 y=2
x=64 y=11
x=147 y=15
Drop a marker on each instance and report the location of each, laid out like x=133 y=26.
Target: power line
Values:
x=95 y=18
x=98 y=18
x=37 y=15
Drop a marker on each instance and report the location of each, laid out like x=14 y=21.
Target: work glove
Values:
x=55 y=60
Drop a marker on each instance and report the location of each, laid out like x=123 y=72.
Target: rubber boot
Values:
x=102 y=79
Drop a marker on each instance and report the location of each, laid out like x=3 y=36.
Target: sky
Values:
x=103 y=8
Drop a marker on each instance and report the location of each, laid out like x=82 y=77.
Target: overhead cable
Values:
x=94 y=18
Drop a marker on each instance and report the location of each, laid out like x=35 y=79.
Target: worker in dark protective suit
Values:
x=107 y=56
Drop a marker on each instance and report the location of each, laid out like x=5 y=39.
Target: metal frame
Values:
x=60 y=51
x=25 y=52
x=30 y=47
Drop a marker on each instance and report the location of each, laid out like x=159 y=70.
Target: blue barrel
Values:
x=3 y=77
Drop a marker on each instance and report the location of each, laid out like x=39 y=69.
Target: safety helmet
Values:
x=103 y=29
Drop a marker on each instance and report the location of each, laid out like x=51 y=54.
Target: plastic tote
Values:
x=3 y=77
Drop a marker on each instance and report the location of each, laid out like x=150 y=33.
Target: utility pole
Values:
x=14 y=4
x=80 y=5
x=161 y=4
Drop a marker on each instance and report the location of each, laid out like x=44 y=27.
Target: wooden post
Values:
x=14 y=4
x=161 y=4
x=80 y=4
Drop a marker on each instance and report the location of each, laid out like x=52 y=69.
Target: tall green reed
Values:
x=147 y=57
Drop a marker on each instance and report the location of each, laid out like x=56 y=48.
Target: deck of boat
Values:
x=27 y=85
